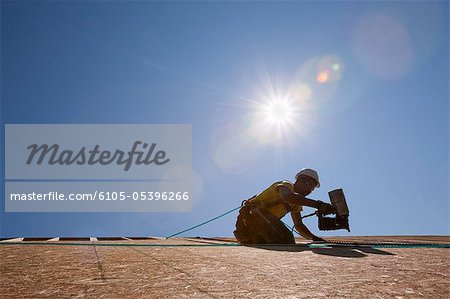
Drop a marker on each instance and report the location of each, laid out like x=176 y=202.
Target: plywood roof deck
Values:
x=47 y=270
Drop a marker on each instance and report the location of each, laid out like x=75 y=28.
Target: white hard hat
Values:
x=309 y=172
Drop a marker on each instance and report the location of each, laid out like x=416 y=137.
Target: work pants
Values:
x=256 y=225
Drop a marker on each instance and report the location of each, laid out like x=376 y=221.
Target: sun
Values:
x=278 y=112
x=273 y=120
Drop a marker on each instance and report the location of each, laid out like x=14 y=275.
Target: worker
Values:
x=259 y=220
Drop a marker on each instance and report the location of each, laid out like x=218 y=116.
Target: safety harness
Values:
x=267 y=206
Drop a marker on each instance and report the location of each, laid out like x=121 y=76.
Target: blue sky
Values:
x=367 y=87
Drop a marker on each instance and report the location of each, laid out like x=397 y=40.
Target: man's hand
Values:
x=325 y=208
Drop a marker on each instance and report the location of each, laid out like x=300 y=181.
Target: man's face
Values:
x=305 y=185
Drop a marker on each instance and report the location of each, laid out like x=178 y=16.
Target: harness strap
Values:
x=268 y=206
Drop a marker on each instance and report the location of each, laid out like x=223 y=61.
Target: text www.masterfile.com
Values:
x=103 y=195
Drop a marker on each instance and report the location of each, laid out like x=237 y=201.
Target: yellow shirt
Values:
x=270 y=195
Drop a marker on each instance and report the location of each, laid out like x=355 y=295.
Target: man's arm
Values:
x=296 y=199
x=302 y=229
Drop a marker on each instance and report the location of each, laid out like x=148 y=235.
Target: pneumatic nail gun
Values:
x=340 y=221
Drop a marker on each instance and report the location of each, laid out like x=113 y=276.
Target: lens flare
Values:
x=323 y=76
x=329 y=69
x=232 y=148
x=336 y=67
x=301 y=94
x=383 y=46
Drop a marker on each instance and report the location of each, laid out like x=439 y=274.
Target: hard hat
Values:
x=310 y=173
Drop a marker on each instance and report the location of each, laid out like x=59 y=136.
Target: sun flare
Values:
x=278 y=112
x=273 y=120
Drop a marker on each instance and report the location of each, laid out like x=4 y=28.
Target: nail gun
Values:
x=340 y=221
